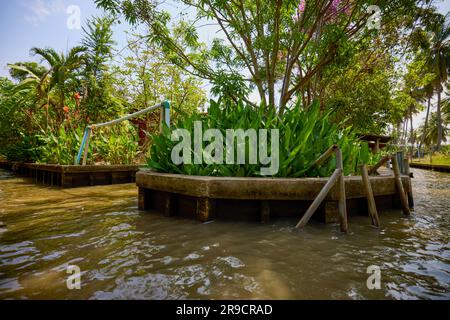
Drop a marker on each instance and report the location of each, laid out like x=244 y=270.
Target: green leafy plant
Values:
x=60 y=147
x=117 y=145
x=304 y=136
x=26 y=149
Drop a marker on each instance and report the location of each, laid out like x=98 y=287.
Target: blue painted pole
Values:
x=83 y=142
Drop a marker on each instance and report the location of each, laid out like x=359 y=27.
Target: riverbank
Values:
x=437 y=159
x=430 y=166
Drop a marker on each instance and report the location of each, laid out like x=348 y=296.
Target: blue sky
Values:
x=28 y=23
x=43 y=23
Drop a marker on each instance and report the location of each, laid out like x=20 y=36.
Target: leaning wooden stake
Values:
x=370 y=198
x=399 y=185
x=326 y=155
x=342 y=202
x=318 y=200
x=374 y=169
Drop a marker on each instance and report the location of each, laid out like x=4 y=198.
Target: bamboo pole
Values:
x=342 y=201
x=374 y=169
x=399 y=185
x=325 y=155
x=408 y=173
x=318 y=200
x=370 y=198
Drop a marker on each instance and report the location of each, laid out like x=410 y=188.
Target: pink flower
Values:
x=300 y=10
x=335 y=4
x=301 y=6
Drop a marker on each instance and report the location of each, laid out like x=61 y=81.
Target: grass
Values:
x=436 y=159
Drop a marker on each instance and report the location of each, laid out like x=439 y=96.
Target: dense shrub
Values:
x=304 y=136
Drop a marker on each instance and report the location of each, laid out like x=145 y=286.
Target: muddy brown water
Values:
x=127 y=254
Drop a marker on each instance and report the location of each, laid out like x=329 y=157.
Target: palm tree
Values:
x=61 y=70
x=431 y=134
x=446 y=105
x=439 y=62
x=428 y=93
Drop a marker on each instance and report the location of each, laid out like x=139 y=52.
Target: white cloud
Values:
x=39 y=10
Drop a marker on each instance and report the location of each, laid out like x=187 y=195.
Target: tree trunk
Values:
x=425 y=126
x=60 y=112
x=271 y=89
x=439 y=119
x=411 y=132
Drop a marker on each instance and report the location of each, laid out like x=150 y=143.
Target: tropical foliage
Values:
x=321 y=72
x=45 y=107
x=305 y=135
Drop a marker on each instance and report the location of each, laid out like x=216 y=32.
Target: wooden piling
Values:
x=326 y=155
x=265 y=212
x=205 y=209
x=370 y=198
x=374 y=169
x=143 y=201
x=319 y=199
x=342 y=199
x=409 y=191
x=400 y=190
x=169 y=209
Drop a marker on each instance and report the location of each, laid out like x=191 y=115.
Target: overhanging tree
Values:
x=277 y=47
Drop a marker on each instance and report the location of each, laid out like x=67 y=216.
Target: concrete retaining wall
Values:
x=206 y=198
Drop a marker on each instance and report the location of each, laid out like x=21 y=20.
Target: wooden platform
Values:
x=256 y=199
x=434 y=167
x=74 y=176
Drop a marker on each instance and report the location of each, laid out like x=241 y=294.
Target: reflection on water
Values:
x=127 y=254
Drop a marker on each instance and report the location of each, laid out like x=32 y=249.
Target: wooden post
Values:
x=331 y=212
x=169 y=205
x=265 y=211
x=374 y=169
x=86 y=147
x=325 y=155
x=409 y=191
x=377 y=145
x=143 y=201
x=399 y=185
x=205 y=209
x=370 y=198
x=318 y=200
x=342 y=200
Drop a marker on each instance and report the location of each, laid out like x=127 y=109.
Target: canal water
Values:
x=127 y=254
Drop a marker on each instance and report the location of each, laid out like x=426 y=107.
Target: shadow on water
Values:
x=127 y=254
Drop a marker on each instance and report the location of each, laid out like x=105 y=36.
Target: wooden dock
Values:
x=66 y=176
